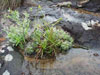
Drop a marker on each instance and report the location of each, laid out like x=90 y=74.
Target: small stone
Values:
x=8 y=57
x=85 y=26
x=10 y=48
x=96 y=54
x=2 y=51
x=6 y=73
x=3 y=46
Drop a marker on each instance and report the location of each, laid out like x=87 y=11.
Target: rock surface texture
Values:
x=85 y=28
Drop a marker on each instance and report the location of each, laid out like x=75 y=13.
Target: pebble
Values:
x=10 y=48
x=8 y=57
x=85 y=26
x=6 y=73
x=2 y=51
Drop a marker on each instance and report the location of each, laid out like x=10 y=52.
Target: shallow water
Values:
x=73 y=63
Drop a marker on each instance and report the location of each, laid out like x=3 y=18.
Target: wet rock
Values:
x=76 y=61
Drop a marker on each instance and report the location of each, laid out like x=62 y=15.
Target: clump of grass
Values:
x=17 y=33
x=49 y=41
x=45 y=40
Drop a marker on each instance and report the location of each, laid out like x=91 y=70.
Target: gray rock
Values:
x=90 y=5
x=76 y=61
x=50 y=19
x=6 y=73
x=8 y=57
x=10 y=48
x=64 y=4
x=2 y=51
x=14 y=66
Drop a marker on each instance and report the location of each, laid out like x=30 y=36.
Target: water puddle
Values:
x=63 y=64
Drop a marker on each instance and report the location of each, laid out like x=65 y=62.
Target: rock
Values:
x=64 y=4
x=85 y=26
x=90 y=5
x=10 y=48
x=1 y=62
x=82 y=26
x=76 y=61
x=50 y=19
x=96 y=54
x=2 y=51
x=6 y=73
x=92 y=24
x=8 y=57
x=55 y=1
x=82 y=3
x=12 y=65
